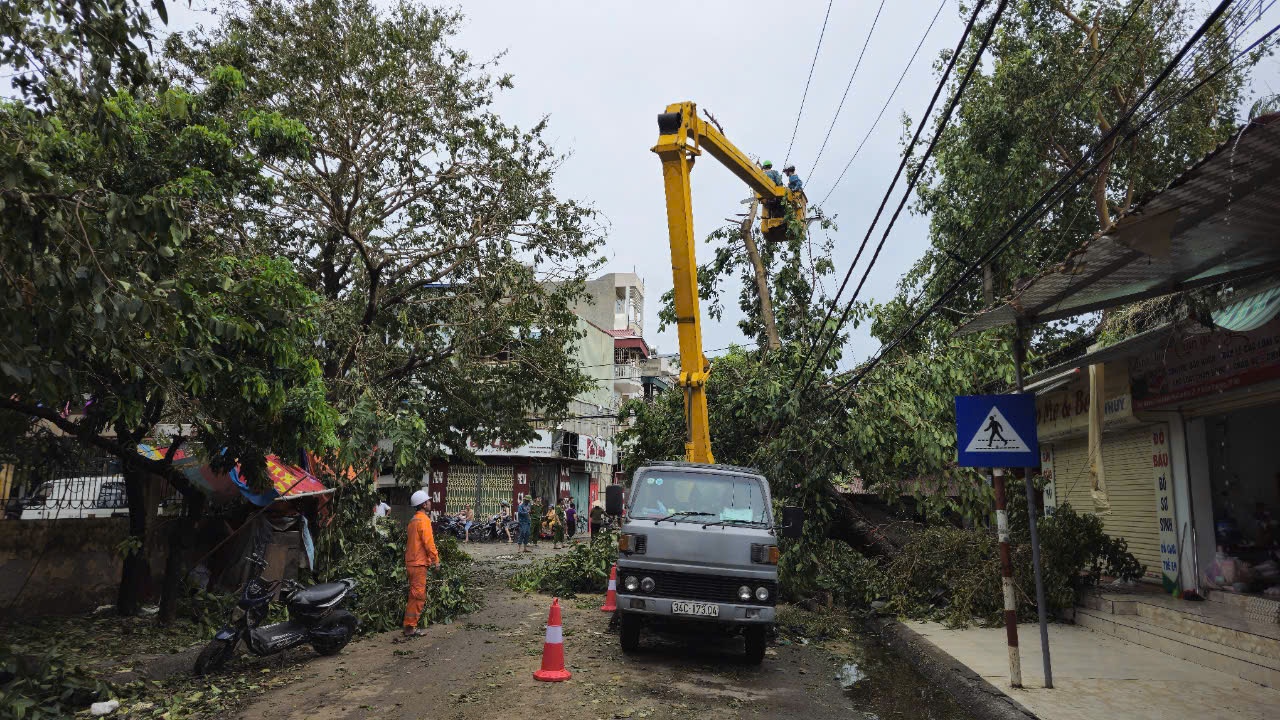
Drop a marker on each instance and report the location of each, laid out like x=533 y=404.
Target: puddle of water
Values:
x=849 y=675
x=880 y=684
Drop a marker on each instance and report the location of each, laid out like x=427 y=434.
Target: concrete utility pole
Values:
x=1006 y=579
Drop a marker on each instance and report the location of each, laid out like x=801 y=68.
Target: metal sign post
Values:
x=998 y=432
x=1019 y=356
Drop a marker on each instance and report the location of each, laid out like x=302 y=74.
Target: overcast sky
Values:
x=602 y=70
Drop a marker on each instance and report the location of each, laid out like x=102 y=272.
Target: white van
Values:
x=78 y=497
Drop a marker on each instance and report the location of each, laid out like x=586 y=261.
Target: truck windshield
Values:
x=698 y=497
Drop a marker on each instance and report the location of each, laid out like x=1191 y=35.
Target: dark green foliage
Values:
x=834 y=571
x=953 y=574
x=426 y=223
x=352 y=546
x=35 y=685
x=584 y=568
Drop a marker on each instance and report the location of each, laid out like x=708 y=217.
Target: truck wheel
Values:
x=756 y=641
x=630 y=632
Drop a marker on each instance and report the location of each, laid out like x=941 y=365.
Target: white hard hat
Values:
x=419 y=498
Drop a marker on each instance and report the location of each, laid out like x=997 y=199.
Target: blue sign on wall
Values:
x=997 y=431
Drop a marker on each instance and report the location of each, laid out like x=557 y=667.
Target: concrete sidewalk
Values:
x=1098 y=676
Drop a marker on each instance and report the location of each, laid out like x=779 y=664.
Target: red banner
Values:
x=520 y=485
x=1204 y=364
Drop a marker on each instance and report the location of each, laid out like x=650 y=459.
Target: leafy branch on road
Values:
x=583 y=568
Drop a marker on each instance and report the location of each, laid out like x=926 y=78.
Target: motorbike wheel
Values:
x=214 y=656
x=340 y=620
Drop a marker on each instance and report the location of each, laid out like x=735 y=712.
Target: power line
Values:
x=847 y=86
x=906 y=157
x=884 y=107
x=1084 y=78
x=1236 y=27
x=1061 y=186
x=805 y=95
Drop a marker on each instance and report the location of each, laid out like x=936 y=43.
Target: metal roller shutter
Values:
x=1132 y=494
x=1130 y=488
x=1071 y=473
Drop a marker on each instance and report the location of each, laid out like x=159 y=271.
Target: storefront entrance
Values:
x=1240 y=473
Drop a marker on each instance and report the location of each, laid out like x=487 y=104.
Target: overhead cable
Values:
x=805 y=95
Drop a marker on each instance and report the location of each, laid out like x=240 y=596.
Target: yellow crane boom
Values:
x=682 y=136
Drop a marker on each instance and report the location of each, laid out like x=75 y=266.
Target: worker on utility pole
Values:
x=794 y=183
x=773 y=174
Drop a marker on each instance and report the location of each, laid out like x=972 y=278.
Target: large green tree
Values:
x=1062 y=75
x=427 y=223
x=122 y=310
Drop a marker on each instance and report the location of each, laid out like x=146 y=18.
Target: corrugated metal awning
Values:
x=1142 y=342
x=1215 y=223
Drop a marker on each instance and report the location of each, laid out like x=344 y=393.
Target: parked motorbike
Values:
x=316 y=616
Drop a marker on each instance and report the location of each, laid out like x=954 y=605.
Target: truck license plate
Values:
x=693 y=608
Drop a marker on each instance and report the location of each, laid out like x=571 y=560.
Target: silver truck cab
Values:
x=698 y=544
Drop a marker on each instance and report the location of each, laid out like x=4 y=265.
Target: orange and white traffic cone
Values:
x=611 y=597
x=553 y=669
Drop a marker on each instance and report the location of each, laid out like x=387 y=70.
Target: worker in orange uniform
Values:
x=419 y=554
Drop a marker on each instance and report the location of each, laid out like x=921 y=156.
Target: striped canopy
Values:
x=1249 y=314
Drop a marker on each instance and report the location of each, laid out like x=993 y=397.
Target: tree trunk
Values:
x=853 y=527
x=181 y=535
x=133 y=578
x=762 y=280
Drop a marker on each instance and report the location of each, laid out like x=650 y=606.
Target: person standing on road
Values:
x=556 y=518
x=523 y=514
x=597 y=519
x=419 y=554
x=536 y=517
x=571 y=520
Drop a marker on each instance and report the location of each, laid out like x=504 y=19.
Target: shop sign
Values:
x=1050 y=485
x=595 y=449
x=540 y=447
x=1204 y=364
x=1163 y=474
x=521 y=486
x=1067 y=411
x=438 y=487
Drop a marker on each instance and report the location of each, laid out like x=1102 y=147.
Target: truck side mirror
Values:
x=613 y=500
x=792 y=523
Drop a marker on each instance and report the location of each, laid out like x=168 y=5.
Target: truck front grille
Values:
x=710 y=588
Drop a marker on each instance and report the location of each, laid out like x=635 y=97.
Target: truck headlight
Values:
x=744 y=593
x=647 y=584
x=631 y=583
x=762 y=593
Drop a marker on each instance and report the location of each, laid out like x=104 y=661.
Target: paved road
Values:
x=482 y=665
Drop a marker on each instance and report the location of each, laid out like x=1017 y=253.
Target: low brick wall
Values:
x=58 y=567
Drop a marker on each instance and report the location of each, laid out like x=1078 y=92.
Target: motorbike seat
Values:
x=318 y=594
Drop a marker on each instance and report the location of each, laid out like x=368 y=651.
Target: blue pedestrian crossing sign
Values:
x=997 y=431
